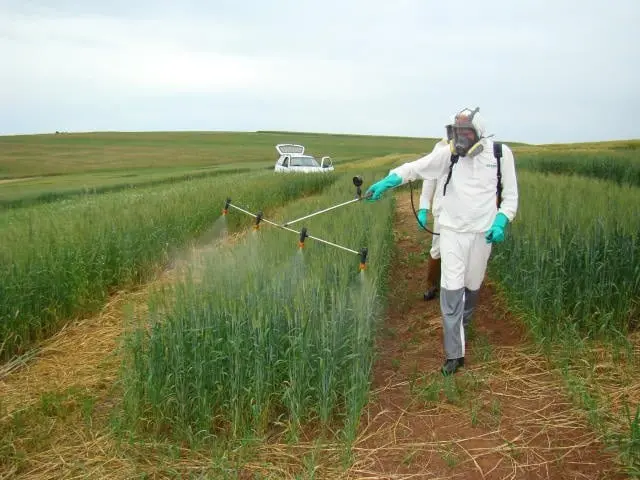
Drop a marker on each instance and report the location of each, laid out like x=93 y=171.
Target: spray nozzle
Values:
x=226 y=206
x=363 y=258
x=357 y=181
x=303 y=235
x=258 y=220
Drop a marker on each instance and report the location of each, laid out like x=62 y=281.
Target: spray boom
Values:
x=303 y=234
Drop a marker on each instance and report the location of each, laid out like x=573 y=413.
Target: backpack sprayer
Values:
x=303 y=233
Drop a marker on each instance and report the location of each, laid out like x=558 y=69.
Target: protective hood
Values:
x=478 y=124
x=465 y=132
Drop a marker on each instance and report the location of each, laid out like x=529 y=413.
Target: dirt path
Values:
x=504 y=416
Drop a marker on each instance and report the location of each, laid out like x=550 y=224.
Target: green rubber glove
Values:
x=422 y=218
x=496 y=233
x=376 y=190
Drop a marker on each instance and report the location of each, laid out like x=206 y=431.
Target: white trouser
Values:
x=464 y=259
x=435 y=239
x=464 y=263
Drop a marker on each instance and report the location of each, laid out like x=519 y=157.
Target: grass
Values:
x=457 y=389
x=266 y=337
x=570 y=262
x=30 y=429
x=616 y=165
x=45 y=168
x=567 y=268
x=63 y=260
x=29 y=155
x=27 y=191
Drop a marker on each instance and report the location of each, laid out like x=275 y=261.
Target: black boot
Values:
x=451 y=365
x=430 y=293
x=433 y=278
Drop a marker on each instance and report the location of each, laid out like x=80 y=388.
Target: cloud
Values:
x=397 y=67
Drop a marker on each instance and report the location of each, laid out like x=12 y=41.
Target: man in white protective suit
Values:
x=470 y=218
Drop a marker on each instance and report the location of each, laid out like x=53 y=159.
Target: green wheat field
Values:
x=265 y=334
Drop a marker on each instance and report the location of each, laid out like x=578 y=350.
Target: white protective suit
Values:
x=466 y=212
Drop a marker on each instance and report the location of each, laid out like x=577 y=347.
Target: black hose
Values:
x=416 y=214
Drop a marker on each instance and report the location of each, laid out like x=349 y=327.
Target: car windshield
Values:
x=305 y=161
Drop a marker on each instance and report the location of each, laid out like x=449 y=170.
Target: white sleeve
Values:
x=509 y=205
x=430 y=167
x=428 y=189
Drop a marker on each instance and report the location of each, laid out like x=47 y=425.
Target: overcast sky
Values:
x=540 y=71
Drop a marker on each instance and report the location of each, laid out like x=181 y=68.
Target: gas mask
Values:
x=463 y=136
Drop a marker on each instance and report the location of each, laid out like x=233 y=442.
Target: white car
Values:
x=293 y=159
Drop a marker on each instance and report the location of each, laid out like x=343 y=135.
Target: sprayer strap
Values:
x=497 y=152
x=454 y=160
